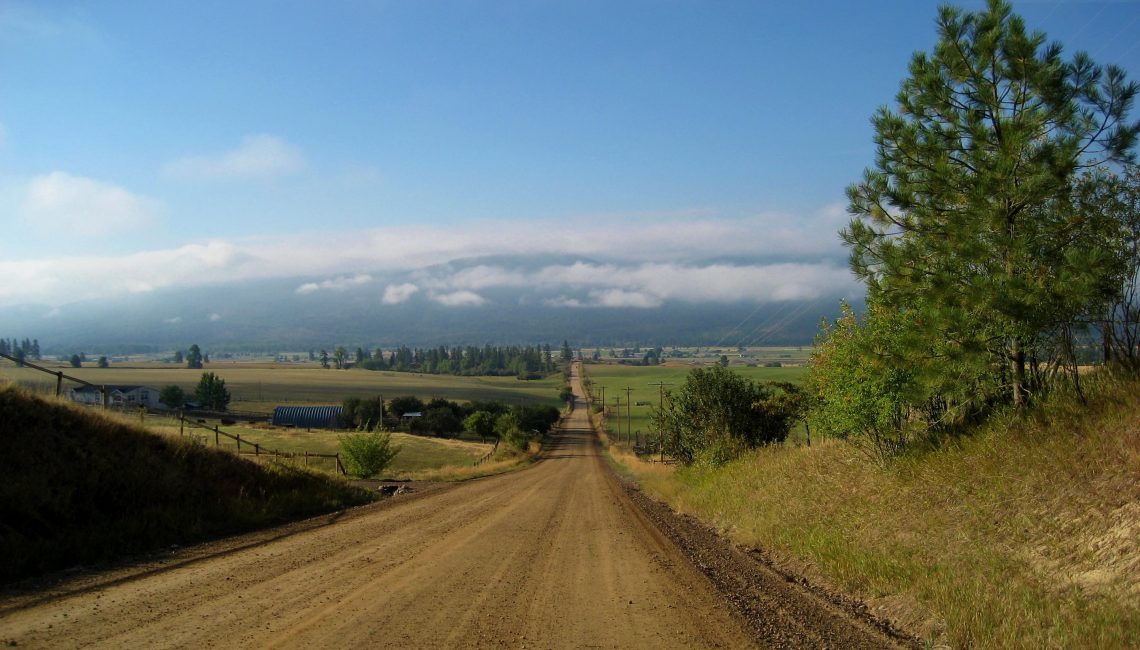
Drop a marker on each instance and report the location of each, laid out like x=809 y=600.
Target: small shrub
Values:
x=367 y=454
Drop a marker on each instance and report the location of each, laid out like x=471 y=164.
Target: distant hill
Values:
x=272 y=315
x=81 y=488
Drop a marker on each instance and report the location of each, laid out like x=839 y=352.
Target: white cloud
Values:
x=623 y=298
x=563 y=301
x=173 y=321
x=762 y=258
x=650 y=284
x=336 y=284
x=395 y=294
x=258 y=156
x=213 y=318
x=75 y=206
x=459 y=299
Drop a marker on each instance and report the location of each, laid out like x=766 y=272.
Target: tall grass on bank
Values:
x=1025 y=534
x=80 y=488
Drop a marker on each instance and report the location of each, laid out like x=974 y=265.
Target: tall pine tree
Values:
x=964 y=221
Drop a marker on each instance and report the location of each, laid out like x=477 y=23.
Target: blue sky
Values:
x=191 y=142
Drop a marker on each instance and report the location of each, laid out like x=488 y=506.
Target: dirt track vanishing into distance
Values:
x=554 y=556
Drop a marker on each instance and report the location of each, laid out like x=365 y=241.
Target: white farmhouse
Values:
x=118 y=396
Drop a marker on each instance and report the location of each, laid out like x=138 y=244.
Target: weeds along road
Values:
x=556 y=555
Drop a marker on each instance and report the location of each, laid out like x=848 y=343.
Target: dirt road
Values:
x=556 y=555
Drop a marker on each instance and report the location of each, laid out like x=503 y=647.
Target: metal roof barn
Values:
x=308 y=417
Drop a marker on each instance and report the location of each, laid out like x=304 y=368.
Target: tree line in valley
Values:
x=530 y=361
x=21 y=348
x=998 y=236
x=516 y=424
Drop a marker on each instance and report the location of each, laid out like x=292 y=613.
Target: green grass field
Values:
x=260 y=387
x=616 y=378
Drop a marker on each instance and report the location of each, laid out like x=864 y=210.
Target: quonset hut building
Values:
x=308 y=417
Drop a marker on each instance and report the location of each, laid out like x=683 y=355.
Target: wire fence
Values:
x=258 y=451
x=59 y=377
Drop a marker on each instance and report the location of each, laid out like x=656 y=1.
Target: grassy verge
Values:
x=1026 y=534
x=80 y=488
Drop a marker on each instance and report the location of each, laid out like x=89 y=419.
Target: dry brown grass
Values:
x=1026 y=534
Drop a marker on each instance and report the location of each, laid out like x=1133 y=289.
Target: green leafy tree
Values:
x=405 y=404
x=172 y=396
x=324 y=359
x=441 y=422
x=566 y=353
x=340 y=355
x=481 y=423
x=963 y=220
x=178 y=357
x=367 y=454
x=103 y=362
x=75 y=361
x=858 y=392
x=537 y=420
x=194 y=357
x=363 y=414
x=211 y=392
x=510 y=431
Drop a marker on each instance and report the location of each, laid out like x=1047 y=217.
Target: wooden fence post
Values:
x=181 y=423
x=238 y=439
x=58 y=383
x=217 y=439
x=256 y=449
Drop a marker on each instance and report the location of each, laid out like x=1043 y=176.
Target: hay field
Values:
x=260 y=387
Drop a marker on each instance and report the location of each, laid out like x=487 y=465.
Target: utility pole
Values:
x=661 y=406
x=628 y=416
x=617 y=403
x=661 y=393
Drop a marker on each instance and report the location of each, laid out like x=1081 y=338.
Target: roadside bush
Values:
x=367 y=454
x=716 y=414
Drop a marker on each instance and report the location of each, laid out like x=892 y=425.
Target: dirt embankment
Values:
x=558 y=555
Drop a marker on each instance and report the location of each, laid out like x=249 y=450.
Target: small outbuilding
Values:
x=308 y=417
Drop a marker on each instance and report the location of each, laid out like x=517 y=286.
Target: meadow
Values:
x=418 y=454
x=646 y=396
